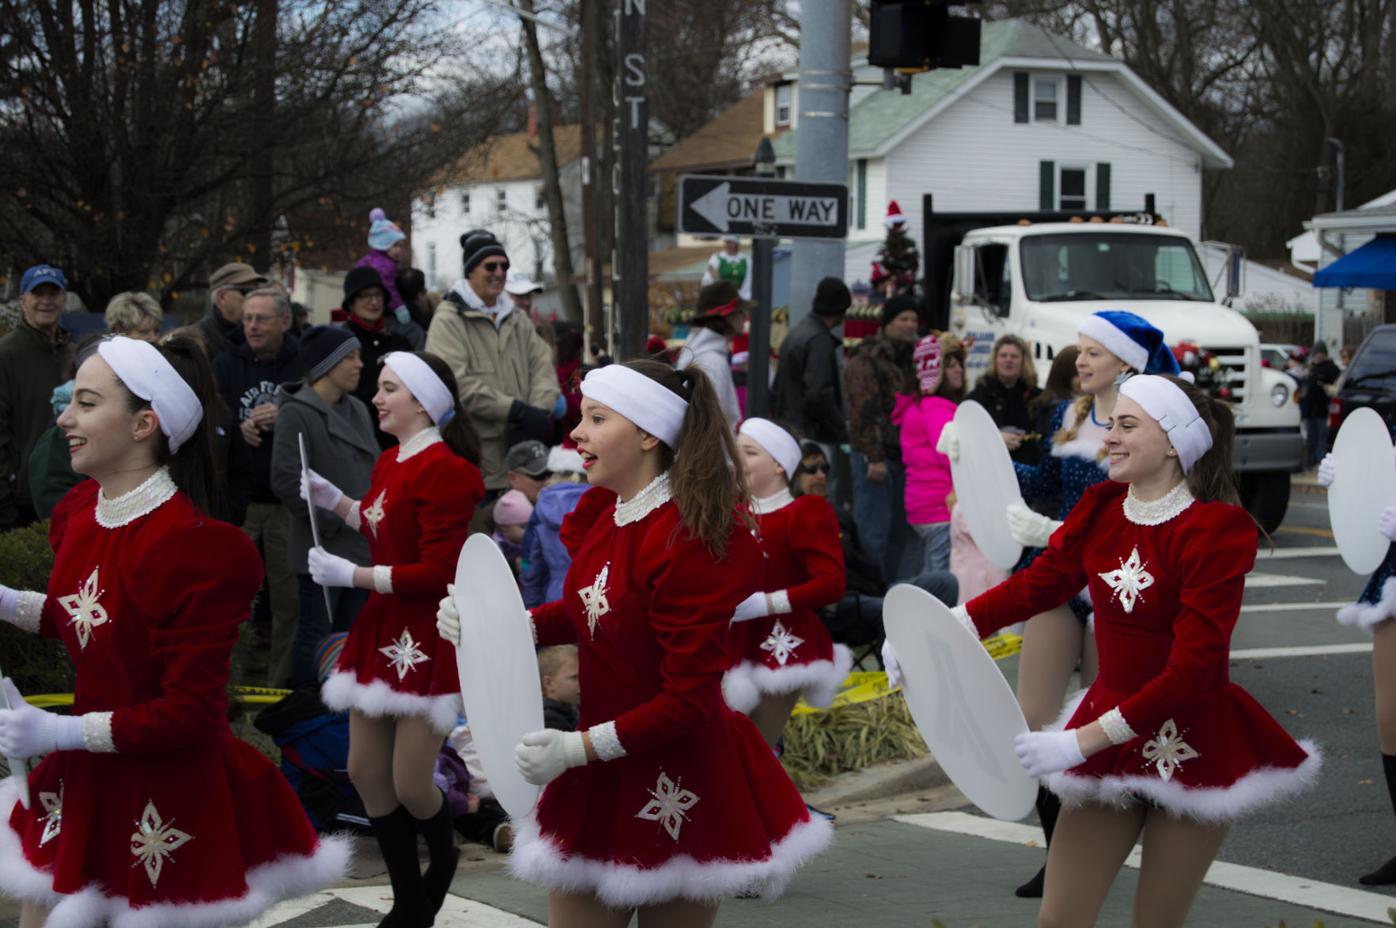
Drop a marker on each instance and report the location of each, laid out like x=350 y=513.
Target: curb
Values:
x=881 y=782
x=1307 y=487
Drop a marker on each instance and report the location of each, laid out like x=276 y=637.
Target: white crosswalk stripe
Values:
x=455 y=913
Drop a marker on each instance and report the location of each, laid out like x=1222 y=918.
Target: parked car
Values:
x=1274 y=355
x=1370 y=380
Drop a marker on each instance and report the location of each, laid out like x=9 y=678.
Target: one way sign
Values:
x=761 y=207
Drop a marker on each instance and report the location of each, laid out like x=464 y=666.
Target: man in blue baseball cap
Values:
x=34 y=358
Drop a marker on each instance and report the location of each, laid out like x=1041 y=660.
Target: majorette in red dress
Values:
x=415 y=516
x=792 y=650
x=167 y=819
x=697 y=807
x=1166 y=578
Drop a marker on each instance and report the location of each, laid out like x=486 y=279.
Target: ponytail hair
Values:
x=459 y=432
x=193 y=467
x=708 y=488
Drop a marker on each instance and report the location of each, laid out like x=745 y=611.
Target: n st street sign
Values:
x=760 y=207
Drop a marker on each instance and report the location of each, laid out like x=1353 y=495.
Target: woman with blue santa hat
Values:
x=1114 y=344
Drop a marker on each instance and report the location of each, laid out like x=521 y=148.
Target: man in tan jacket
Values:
x=504 y=368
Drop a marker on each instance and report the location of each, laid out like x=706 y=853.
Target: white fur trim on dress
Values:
x=539 y=860
x=342 y=691
x=818 y=681
x=1368 y=615
x=1088 y=449
x=1206 y=804
x=287 y=877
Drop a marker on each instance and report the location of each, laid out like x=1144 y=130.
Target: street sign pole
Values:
x=762 y=264
x=630 y=294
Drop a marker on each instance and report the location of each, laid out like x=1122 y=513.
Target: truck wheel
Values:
x=1265 y=494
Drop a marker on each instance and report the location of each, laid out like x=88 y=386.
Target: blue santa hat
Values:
x=383 y=233
x=1131 y=339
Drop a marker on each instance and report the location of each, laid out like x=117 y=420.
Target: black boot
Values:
x=1385 y=875
x=1048 y=805
x=397 y=837
x=441 y=842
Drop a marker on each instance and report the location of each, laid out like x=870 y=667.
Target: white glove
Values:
x=891 y=664
x=1387 y=524
x=754 y=606
x=448 y=617
x=949 y=442
x=1028 y=528
x=28 y=732
x=320 y=492
x=541 y=756
x=329 y=569
x=1326 y=469
x=1044 y=752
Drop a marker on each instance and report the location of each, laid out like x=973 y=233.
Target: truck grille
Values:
x=1231 y=374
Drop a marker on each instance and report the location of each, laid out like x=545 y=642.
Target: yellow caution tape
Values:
x=867 y=685
x=253 y=695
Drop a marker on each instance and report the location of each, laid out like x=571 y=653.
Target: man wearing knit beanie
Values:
x=516 y=396
x=808 y=390
x=878 y=369
x=340 y=446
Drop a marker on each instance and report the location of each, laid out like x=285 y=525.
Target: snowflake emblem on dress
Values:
x=1168 y=750
x=53 y=814
x=781 y=643
x=1129 y=581
x=374 y=514
x=404 y=655
x=155 y=841
x=594 y=599
x=86 y=612
x=669 y=805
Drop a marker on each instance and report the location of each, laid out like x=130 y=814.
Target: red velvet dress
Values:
x=792 y=650
x=415 y=515
x=698 y=807
x=169 y=819
x=1167 y=596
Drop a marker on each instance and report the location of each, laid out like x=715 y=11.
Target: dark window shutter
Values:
x=1046 y=182
x=1102 y=185
x=1073 y=99
x=1020 y=97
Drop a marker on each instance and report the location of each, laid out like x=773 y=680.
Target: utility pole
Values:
x=592 y=319
x=821 y=136
x=630 y=288
x=762 y=258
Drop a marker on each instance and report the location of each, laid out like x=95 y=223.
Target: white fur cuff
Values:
x=28 y=610
x=1115 y=727
x=962 y=614
x=780 y=602
x=605 y=742
x=352 y=518
x=382 y=579
x=96 y=732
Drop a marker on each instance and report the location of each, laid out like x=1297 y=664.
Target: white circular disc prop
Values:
x=1364 y=483
x=985 y=484
x=962 y=705
x=498 y=669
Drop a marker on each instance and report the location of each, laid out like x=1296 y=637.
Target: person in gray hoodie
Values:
x=341 y=447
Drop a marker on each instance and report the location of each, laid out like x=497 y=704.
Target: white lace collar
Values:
x=154 y=491
x=649 y=499
x=773 y=502
x=419 y=442
x=1158 y=511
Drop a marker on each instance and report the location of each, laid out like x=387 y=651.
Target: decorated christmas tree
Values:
x=897 y=262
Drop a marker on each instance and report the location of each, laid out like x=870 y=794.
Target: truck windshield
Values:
x=1107 y=266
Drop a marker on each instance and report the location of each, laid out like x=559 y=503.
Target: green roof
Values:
x=883 y=113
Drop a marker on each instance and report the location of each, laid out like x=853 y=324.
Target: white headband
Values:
x=649 y=404
x=776 y=441
x=145 y=372
x=1115 y=341
x=426 y=387
x=1169 y=406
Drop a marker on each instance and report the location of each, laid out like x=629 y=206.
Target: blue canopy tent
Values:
x=1372 y=266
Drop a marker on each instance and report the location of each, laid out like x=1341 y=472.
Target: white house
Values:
x=1041 y=124
x=498 y=186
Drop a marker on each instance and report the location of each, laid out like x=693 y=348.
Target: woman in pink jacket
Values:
x=928 y=483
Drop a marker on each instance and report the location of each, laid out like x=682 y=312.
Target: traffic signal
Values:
x=917 y=35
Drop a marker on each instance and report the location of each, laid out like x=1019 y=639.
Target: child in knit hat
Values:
x=511 y=514
x=387 y=248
